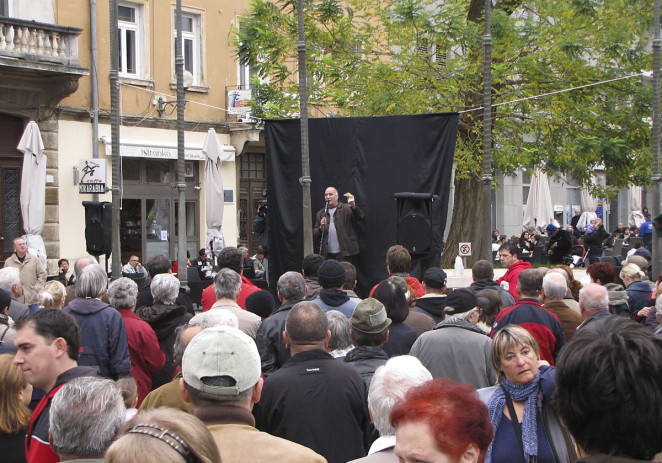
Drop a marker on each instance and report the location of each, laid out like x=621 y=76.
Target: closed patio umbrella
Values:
x=214 y=198
x=636 y=215
x=539 y=208
x=33 y=189
x=589 y=206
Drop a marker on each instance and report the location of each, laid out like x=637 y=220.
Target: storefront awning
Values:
x=155 y=150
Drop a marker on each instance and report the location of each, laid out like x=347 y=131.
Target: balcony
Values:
x=39 y=46
x=39 y=64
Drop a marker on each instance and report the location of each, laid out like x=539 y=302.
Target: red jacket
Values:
x=512 y=275
x=247 y=288
x=37 y=449
x=544 y=326
x=146 y=356
x=411 y=281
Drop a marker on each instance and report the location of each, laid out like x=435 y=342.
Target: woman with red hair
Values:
x=604 y=274
x=441 y=421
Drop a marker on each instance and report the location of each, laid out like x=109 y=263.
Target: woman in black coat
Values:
x=595 y=241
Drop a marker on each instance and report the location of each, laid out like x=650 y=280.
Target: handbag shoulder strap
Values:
x=517 y=426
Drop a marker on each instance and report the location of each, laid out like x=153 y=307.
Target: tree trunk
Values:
x=467 y=221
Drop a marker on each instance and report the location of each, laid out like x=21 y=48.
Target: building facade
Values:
x=47 y=74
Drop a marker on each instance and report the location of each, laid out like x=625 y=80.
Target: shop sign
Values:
x=160 y=152
x=93 y=176
x=155 y=150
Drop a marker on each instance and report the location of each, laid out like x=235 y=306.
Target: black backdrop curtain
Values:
x=371 y=157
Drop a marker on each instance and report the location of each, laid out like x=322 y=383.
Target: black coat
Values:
x=562 y=249
x=320 y=403
x=164 y=319
x=401 y=338
x=595 y=241
x=145 y=298
x=366 y=359
x=270 y=342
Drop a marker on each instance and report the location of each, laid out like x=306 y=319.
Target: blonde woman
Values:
x=164 y=435
x=638 y=291
x=52 y=295
x=524 y=425
x=15 y=394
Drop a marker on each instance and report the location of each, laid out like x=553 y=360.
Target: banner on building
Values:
x=239 y=102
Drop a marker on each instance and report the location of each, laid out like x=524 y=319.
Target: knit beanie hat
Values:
x=331 y=274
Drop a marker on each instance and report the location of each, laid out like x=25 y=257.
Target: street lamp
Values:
x=303 y=118
x=181 y=171
x=116 y=249
x=162 y=104
x=655 y=178
x=486 y=248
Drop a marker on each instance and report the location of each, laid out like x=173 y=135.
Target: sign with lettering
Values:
x=160 y=152
x=93 y=176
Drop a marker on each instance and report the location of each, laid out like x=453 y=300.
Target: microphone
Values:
x=326 y=206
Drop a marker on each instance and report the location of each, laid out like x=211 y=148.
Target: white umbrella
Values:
x=214 y=199
x=539 y=208
x=33 y=189
x=589 y=206
x=636 y=215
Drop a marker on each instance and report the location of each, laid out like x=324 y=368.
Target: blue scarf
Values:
x=497 y=403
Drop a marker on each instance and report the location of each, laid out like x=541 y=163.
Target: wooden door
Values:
x=11 y=162
x=252 y=190
x=10 y=207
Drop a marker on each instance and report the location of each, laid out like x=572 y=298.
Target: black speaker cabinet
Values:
x=414 y=230
x=98 y=227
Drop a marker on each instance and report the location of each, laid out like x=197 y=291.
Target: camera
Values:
x=262 y=207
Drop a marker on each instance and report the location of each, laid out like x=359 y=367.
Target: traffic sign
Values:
x=465 y=249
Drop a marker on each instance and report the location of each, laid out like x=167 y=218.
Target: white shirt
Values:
x=333 y=246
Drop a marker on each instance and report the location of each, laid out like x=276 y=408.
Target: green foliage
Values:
x=373 y=57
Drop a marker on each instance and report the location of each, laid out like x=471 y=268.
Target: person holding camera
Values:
x=261 y=224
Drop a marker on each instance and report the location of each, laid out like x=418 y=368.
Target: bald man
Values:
x=335 y=226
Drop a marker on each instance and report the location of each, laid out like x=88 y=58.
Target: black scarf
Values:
x=333 y=297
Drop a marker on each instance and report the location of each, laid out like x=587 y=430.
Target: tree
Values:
x=372 y=57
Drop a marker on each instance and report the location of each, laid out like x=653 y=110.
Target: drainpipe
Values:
x=95 y=87
x=115 y=139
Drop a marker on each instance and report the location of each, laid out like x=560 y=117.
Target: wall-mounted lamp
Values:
x=162 y=105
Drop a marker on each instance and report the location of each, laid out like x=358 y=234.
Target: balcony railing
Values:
x=39 y=42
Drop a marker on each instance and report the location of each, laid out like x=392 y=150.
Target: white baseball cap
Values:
x=221 y=351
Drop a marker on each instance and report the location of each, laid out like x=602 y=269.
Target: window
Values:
x=190 y=45
x=130 y=40
x=245 y=73
x=431 y=51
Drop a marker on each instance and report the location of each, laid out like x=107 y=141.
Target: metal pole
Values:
x=655 y=178
x=486 y=249
x=115 y=140
x=94 y=84
x=181 y=182
x=303 y=116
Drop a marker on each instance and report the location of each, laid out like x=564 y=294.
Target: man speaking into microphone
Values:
x=334 y=227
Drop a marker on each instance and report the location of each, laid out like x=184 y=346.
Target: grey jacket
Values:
x=458 y=350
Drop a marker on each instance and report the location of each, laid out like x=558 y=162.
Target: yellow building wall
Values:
x=219 y=67
x=74 y=144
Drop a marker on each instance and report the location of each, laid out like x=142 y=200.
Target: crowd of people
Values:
x=579 y=246
x=530 y=367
